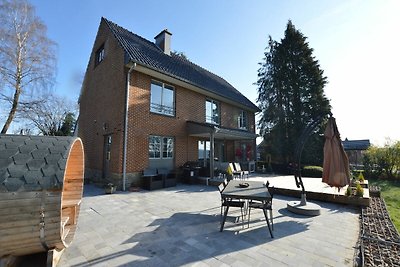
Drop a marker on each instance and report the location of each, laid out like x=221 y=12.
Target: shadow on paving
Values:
x=185 y=238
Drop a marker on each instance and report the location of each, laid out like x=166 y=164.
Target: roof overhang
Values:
x=204 y=130
x=168 y=78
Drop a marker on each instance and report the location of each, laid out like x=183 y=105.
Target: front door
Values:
x=106 y=156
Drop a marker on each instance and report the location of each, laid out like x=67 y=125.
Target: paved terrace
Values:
x=179 y=226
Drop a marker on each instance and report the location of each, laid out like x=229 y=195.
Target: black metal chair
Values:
x=253 y=204
x=225 y=202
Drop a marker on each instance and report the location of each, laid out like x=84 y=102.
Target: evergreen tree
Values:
x=68 y=126
x=291 y=95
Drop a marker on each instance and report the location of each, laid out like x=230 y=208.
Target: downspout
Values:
x=128 y=78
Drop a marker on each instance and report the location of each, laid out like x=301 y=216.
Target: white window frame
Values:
x=161 y=108
x=210 y=119
x=163 y=148
x=242 y=120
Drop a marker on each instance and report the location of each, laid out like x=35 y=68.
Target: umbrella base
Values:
x=309 y=209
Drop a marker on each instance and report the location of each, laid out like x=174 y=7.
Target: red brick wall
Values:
x=142 y=122
x=102 y=102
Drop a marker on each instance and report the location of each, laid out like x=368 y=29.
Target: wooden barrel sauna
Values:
x=41 y=185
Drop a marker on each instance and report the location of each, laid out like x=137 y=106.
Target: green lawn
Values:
x=390 y=191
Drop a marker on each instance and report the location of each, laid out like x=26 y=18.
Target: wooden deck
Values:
x=315 y=189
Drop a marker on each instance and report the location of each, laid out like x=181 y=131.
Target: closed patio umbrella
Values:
x=336 y=171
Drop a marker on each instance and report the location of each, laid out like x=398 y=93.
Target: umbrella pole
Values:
x=302 y=207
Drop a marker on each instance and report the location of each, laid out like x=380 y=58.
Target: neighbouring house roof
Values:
x=148 y=54
x=356 y=144
x=33 y=163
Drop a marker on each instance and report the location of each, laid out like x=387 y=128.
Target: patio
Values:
x=180 y=226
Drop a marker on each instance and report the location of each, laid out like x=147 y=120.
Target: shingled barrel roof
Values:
x=148 y=54
x=33 y=163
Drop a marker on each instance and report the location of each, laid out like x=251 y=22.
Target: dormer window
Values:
x=100 y=54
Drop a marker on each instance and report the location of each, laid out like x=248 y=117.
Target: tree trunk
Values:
x=13 y=110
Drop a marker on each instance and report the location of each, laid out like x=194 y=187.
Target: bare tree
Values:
x=27 y=57
x=52 y=115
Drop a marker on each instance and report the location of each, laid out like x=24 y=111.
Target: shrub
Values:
x=348 y=191
x=359 y=190
x=360 y=177
x=312 y=171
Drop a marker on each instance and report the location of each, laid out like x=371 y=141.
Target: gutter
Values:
x=128 y=78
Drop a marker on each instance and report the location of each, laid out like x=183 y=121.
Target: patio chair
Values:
x=235 y=173
x=225 y=182
x=168 y=177
x=239 y=169
x=151 y=179
x=232 y=203
x=253 y=204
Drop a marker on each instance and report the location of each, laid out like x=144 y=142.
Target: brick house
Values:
x=142 y=106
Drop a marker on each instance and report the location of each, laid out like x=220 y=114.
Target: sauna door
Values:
x=106 y=156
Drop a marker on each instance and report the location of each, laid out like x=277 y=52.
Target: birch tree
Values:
x=27 y=58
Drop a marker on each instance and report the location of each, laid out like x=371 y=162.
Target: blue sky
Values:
x=356 y=43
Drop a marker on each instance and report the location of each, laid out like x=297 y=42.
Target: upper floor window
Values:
x=242 y=120
x=212 y=111
x=162 y=98
x=161 y=147
x=100 y=54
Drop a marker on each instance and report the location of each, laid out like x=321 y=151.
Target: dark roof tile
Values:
x=49 y=182
x=60 y=176
x=57 y=149
x=52 y=159
x=17 y=170
x=11 y=145
x=35 y=164
x=13 y=184
x=148 y=54
x=62 y=163
x=40 y=154
x=21 y=158
x=49 y=170
x=22 y=168
x=32 y=177
x=4 y=163
x=3 y=175
x=7 y=153
x=27 y=148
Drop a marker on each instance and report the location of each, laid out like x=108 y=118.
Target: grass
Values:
x=390 y=192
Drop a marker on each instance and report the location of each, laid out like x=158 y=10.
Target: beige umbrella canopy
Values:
x=336 y=171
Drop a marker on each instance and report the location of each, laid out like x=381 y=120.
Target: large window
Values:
x=212 y=111
x=242 y=120
x=161 y=147
x=162 y=99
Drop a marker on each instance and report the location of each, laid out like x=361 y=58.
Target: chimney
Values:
x=163 y=41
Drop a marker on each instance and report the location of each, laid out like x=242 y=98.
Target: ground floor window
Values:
x=204 y=150
x=161 y=147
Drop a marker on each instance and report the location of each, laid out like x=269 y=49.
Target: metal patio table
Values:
x=255 y=191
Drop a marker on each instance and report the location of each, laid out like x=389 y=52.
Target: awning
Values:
x=205 y=129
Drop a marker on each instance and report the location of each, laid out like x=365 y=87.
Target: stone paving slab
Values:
x=179 y=226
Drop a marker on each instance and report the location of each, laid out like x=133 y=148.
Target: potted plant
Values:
x=110 y=188
x=359 y=191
